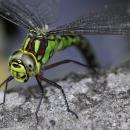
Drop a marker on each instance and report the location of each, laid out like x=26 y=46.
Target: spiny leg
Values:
x=5 y=82
x=61 y=89
x=42 y=94
x=64 y=62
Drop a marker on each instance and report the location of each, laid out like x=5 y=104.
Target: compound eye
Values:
x=28 y=61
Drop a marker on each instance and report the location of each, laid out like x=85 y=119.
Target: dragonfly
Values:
x=44 y=39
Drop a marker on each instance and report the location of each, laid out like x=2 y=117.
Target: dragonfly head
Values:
x=22 y=65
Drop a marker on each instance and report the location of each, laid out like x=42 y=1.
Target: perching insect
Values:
x=42 y=42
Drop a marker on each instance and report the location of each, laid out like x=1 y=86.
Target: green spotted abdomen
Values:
x=58 y=43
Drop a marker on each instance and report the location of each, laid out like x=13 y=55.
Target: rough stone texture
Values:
x=101 y=103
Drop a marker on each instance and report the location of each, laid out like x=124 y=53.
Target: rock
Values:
x=101 y=103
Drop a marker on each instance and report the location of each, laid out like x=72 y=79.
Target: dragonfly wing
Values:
x=29 y=14
x=107 y=21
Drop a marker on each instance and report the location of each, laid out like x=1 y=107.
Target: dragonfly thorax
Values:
x=40 y=32
x=22 y=65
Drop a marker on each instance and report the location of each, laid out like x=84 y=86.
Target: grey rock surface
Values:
x=101 y=103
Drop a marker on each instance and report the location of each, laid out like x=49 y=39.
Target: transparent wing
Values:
x=30 y=14
x=107 y=21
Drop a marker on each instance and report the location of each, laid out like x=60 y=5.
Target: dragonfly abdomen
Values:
x=88 y=53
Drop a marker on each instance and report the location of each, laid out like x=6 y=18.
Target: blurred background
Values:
x=110 y=50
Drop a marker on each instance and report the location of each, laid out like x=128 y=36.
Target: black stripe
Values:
x=42 y=48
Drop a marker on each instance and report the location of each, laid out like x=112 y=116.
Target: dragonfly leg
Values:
x=42 y=94
x=5 y=82
x=61 y=89
x=64 y=62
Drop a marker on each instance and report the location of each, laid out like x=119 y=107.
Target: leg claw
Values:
x=73 y=113
x=1 y=104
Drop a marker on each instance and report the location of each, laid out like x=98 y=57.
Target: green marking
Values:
x=37 y=45
x=58 y=43
x=77 y=39
x=47 y=53
x=27 y=40
x=70 y=41
x=51 y=37
x=52 y=44
x=39 y=57
x=65 y=41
